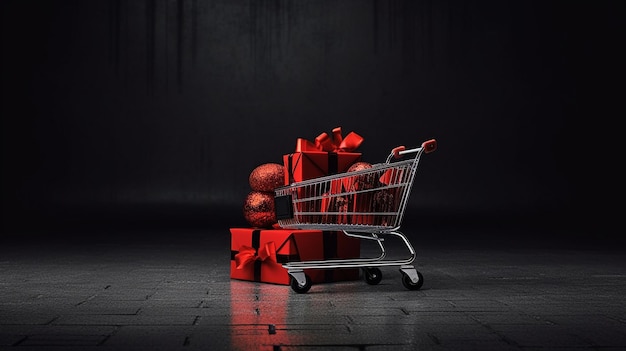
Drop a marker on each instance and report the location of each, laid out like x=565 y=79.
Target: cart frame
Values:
x=309 y=205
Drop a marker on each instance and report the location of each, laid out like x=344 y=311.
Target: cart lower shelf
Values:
x=412 y=279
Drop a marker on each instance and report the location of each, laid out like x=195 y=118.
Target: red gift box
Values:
x=258 y=254
x=336 y=204
x=323 y=157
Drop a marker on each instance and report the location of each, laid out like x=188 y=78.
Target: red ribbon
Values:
x=337 y=143
x=249 y=254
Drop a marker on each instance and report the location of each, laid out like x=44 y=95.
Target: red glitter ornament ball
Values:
x=267 y=177
x=258 y=209
x=358 y=166
x=364 y=181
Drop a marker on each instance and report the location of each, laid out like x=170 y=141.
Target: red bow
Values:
x=248 y=254
x=337 y=143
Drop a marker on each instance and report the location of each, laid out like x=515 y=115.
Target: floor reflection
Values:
x=273 y=315
x=258 y=315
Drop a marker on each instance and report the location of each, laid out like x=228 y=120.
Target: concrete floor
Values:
x=173 y=292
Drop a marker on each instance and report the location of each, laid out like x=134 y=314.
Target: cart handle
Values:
x=427 y=147
x=398 y=151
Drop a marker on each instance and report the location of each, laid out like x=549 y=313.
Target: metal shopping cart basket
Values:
x=366 y=204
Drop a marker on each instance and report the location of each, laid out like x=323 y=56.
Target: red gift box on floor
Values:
x=258 y=254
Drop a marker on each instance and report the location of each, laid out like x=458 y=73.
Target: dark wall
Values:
x=116 y=111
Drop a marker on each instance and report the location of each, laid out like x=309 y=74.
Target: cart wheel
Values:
x=408 y=283
x=373 y=275
x=301 y=289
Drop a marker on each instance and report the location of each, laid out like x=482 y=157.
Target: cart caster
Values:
x=408 y=283
x=373 y=275
x=301 y=289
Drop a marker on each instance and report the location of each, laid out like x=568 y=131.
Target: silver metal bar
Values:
x=357 y=262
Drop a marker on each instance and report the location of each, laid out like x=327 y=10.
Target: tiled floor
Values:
x=174 y=293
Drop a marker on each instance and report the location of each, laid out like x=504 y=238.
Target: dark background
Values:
x=150 y=115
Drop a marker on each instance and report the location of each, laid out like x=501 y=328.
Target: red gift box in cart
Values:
x=383 y=193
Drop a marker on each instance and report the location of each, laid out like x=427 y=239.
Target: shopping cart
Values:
x=365 y=204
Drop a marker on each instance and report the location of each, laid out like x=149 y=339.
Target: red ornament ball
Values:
x=358 y=166
x=363 y=181
x=267 y=177
x=258 y=209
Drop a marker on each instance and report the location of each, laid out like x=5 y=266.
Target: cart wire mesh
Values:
x=371 y=200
